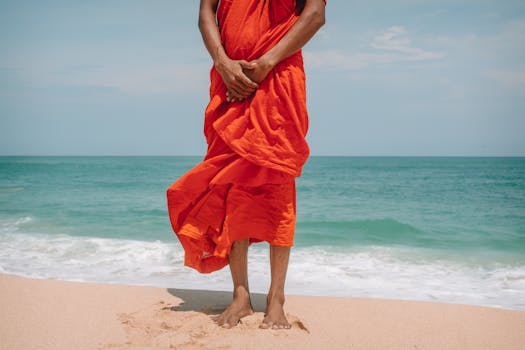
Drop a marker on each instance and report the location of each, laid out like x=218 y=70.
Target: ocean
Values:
x=448 y=229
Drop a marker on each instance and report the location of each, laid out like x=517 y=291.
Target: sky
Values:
x=384 y=78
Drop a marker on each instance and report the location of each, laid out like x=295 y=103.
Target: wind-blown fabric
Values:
x=245 y=186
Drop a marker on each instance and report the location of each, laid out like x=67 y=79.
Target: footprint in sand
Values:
x=162 y=325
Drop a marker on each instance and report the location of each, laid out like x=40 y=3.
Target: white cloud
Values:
x=504 y=43
x=395 y=39
x=498 y=55
x=334 y=59
x=164 y=78
x=137 y=77
x=388 y=46
x=126 y=68
x=509 y=77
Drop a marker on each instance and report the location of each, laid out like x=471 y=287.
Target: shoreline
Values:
x=56 y=314
x=258 y=294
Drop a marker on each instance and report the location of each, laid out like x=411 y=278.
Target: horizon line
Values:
x=313 y=155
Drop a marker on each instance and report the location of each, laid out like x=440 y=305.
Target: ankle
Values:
x=241 y=293
x=275 y=297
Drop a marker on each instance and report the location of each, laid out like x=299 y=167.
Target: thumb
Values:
x=247 y=65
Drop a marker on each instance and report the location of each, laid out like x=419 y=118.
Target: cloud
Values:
x=336 y=59
x=495 y=56
x=503 y=43
x=136 y=78
x=513 y=78
x=391 y=45
x=157 y=79
x=395 y=39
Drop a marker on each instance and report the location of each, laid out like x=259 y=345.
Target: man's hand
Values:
x=257 y=70
x=237 y=82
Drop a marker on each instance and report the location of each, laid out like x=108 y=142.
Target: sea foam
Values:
x=362 y=271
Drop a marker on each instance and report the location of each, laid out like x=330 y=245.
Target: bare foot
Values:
x=274 y=317
x=240 y=307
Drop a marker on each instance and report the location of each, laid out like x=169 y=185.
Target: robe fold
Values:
x=245 y=185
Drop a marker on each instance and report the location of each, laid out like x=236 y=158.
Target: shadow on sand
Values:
x=211 y=302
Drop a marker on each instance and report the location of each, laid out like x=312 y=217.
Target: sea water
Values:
x=448 y=229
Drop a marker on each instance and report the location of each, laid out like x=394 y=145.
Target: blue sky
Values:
x=384 y=77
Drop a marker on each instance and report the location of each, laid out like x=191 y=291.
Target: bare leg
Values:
x=241 y=305
x=274 y=317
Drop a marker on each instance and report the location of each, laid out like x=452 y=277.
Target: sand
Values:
x=50 y=314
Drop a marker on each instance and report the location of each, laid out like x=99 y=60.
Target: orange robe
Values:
x=245 y=186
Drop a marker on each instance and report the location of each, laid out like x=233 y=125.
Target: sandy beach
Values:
x=51 y=314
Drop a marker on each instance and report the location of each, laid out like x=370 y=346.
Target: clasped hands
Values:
x=241 y=77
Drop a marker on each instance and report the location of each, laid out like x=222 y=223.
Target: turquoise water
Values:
x=427 y=228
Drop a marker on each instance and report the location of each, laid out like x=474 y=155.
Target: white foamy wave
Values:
x=370 y=272
x=98 y=259
x=378 y=272
x=12 y=225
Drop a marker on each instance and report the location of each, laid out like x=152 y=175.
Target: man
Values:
x=255 y=126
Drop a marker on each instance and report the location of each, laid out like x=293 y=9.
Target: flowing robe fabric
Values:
x=245 y=186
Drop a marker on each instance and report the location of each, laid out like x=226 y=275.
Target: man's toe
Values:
x=265 y=325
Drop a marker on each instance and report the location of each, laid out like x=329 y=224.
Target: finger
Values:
x=230 y=94
x=243 y=90
x=247 y=82
x=234 y=94
x=241 y=87
x=247 y=65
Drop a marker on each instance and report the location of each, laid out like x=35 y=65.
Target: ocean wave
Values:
x=12 y=225
x=365 y=231
x=11 y=189
x=368 y=271
x=391 y=232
